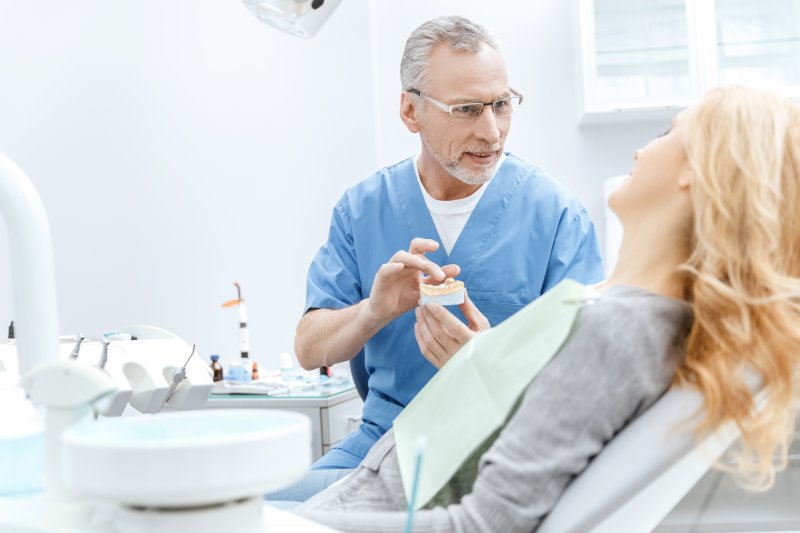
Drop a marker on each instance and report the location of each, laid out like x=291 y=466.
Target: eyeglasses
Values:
x=470 y=111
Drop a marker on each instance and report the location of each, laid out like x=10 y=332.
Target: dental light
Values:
x=301 y=18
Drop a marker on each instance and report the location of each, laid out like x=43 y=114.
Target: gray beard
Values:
x=470 y=177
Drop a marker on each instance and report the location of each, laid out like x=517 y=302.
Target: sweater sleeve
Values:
x=617 y=361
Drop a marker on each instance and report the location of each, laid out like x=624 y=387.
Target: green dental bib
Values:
x=471 y=397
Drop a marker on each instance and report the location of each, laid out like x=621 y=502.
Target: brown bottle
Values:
x=255 y=371
x=217 y=368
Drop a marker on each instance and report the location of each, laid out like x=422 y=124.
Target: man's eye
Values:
x=501 y=104
x=463 y=109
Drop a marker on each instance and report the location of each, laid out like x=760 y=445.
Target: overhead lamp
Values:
x=301 y=18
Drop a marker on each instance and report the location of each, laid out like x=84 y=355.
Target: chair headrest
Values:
x=638 y=455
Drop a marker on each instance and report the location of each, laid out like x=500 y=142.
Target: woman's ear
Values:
x=408 y=112
x=685 y=179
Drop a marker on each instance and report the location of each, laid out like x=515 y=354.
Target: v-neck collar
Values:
x=481 y=223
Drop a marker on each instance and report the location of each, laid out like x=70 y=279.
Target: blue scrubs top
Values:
x=526 y=234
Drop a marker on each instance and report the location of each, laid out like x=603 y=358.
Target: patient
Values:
x=706 y=286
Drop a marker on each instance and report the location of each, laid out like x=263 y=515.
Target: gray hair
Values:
x=461 y=33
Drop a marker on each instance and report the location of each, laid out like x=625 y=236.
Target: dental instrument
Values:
x=421 y=444
x=177 y=377
x=244 y=337
x=104 y=356
x=76 y=351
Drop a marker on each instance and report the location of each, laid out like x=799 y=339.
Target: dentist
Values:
x=461 y=207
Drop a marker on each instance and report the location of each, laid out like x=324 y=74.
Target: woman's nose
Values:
x=636 y=154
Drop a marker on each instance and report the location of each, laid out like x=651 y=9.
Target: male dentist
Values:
x=461 y=207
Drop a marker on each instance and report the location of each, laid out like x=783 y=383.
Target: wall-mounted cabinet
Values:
x=644 y=59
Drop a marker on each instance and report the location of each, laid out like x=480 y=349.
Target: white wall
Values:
x=179 y=146
x=182 y=145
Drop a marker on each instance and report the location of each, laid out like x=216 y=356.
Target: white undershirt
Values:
x=450 y=216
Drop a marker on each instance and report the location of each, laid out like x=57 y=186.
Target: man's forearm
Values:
x=325 y=337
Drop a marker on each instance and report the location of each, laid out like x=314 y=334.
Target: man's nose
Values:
x=636 y=154
x=486 y=126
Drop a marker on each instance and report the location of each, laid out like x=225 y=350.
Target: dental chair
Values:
x=636 y=480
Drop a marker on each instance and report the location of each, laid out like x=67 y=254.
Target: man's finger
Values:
x=418 y=262
x=444 y=324
x=387 y=269
x=451 y=271
x=423 y=348
x=421 y=246
x=428 y=336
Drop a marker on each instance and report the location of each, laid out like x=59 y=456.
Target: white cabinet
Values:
x=644 y=59
x=758 y=43
x=332 y=417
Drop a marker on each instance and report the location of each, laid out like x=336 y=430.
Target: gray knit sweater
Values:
x=617 y=361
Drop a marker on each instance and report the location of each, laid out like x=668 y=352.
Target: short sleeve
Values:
x=576 y=252
x=333 y=277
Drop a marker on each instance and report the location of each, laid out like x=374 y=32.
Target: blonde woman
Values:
x=706 y=289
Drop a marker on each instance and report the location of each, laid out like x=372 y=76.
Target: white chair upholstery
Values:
x=636 y=480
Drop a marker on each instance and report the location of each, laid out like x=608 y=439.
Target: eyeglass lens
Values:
x=502 y=108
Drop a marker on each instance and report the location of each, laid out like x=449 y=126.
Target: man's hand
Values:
x=440 y=334
x=396 y=286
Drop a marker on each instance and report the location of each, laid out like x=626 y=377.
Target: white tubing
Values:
x=32 y=272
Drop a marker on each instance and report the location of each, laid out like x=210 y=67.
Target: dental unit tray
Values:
x=143 y=369
x=298 y=387
x=250 y=387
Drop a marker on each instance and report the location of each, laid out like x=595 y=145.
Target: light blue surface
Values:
x=526 y=234
x=21 y=465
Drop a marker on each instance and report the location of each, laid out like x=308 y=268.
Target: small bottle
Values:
x=254 y=374
x=244 y=367
x=11 y=338
x=219 y=375
x=233 y=371
x=287 y=366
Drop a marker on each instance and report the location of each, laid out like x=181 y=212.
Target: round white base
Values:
x=243 y=516
x=36 y=515
x=187 y=458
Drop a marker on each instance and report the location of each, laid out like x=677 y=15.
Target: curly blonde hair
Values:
x=743 y=272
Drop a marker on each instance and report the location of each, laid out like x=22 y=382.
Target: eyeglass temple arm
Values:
x=440 y=105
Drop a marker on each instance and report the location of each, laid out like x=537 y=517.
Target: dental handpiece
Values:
x=104 y=356
x=177 y=377
x=77 y=349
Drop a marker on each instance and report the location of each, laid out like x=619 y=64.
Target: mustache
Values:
x=482 y=149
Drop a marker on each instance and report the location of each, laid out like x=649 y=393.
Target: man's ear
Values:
x=408 y=112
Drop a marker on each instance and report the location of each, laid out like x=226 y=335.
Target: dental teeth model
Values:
x=451 y=292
